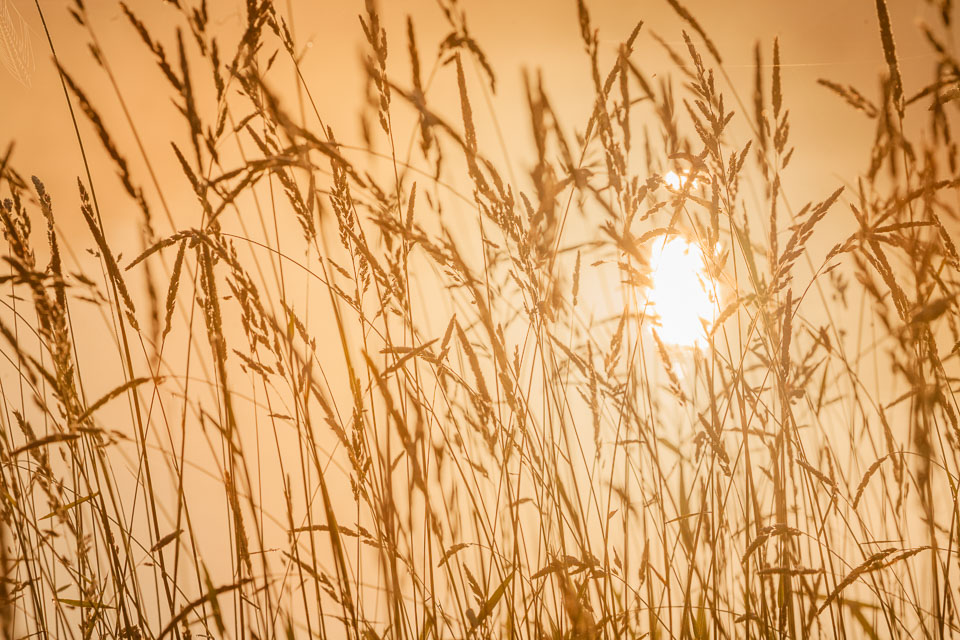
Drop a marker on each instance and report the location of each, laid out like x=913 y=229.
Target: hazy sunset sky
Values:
x=824 y=39
x=509 y=353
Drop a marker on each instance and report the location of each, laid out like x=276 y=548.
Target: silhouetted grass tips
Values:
x=418 y=386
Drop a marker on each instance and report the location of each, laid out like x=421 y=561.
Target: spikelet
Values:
x=123 y=170
x=689 y=19
x=475 y=367
x=172 y=289
x=377 y=39
x=470 y=133
x=890 y=54
x=795 y=245
x=765 y=534
x=874 y=562
x=819 y=475
x=111 y=264
x=668 y=366
x=786 y=333
x=576 y=280
x=852 y=97
x=154 y=46
x=872 y=469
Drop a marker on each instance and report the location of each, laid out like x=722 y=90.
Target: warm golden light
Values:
x=594 y=318
x=682 y=295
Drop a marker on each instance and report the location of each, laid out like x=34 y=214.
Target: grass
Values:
x=395 y=390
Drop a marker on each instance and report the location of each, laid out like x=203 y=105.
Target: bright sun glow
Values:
x=682 y=292
x=675 y=181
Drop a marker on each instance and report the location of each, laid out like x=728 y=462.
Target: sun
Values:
x=682 y=296
x=677 y=181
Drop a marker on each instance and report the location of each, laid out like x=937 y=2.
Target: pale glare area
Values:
x=673 y=180
x=681 y=295
x=676 y=181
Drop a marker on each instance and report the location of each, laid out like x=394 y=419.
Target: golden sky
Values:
x=822 y=39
